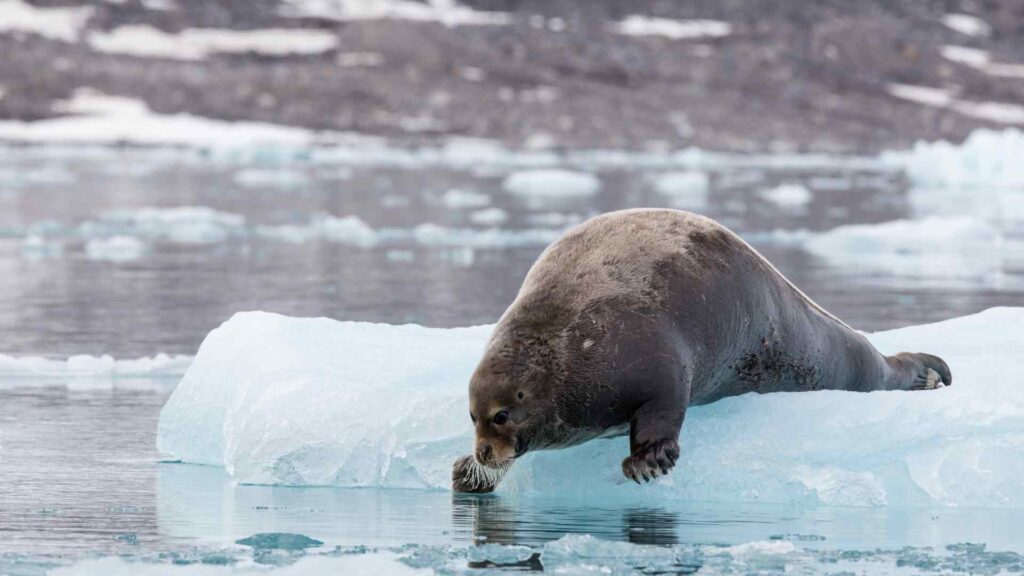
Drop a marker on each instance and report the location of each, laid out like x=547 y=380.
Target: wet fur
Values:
x=633 y=316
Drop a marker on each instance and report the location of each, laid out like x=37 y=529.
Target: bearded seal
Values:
x=633 y=316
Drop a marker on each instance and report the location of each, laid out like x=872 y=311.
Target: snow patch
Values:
x=638 y=25
x=287 y=401
x=967 y=25
x=446 y=12
x=109 y=120
x=1000 y=112
x=198 y=43
x=63 y=24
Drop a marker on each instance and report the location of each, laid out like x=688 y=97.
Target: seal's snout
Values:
x=484 y=453
x=494 y=453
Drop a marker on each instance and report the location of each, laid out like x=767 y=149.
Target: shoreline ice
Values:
x=278 y=400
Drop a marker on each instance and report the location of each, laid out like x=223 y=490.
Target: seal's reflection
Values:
x=514 y=521
x=651 y=526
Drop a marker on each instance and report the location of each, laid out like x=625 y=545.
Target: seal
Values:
x=633 y=316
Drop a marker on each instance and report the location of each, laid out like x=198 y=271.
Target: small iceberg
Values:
x=313 y=401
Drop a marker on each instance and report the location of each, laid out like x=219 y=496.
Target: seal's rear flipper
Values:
x=921 y=371
x=470 y=476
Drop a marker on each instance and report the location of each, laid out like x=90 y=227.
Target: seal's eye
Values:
x=520 y=395
x=473 y=418
x=501 y=417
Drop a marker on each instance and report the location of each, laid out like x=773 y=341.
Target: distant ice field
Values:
x=215 y=225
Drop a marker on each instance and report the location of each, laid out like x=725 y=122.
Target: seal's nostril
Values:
x=483 y=452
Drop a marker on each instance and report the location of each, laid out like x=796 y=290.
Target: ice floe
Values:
x=789 y=196
x=459 y=198
x=115 y=249
x=27 y=369
x=928 y=247
x=221 y=565
x=274 y=178
x=986 y=159
x=686 y=189
x=319 y=402
x=344 y=230
x=185 y=224
x=198 y=43
x=570 y=554
x=489 y=217
x=539 y=186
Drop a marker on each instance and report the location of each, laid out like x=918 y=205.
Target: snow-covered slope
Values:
x=315 y=401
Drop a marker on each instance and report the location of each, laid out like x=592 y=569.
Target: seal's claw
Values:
x=653 y=460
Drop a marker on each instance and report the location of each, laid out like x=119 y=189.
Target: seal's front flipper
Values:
x=654 y=439
x=470 y=476
x=652 y=460
x=919 y=371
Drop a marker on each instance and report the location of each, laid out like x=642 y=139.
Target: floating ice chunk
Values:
x=105 y=368
x=986 y=159
x=936 y=246
x=62 y=24
x=49 y=173
x=115 y=249
x=271 y=178
x=685 y=189
x=536 y=186
x=638 y=25
x=350 y=230
x=554 y=219
x=489 y=217
x=435 y=235
x=458 y=198
x=35 y=247
x=198 y=43
x=789 y=196
x=186 y=224
x=314 y=401
x=319 y=565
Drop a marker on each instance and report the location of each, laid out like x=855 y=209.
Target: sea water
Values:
x=135 y=253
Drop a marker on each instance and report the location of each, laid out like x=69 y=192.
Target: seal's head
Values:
x=509 y=407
